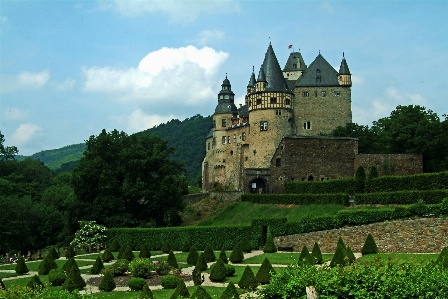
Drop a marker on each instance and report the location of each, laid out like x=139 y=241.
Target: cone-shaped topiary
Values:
x=146 y=293
x=21 y=267
x=360 y=180
x=369 y=246
x=223 y=256
x=186 y=246
x=70 y=252
x=56 y=277
x=201 y=264
x=171 y=260
x=46 y=265
x=218 y=271
x=69 y=285
x=97 y=266
x=53 y=253
x=248 y=280
x=193 y=256
x=200 y=293
x=121 y=252
x=181 y=290
x=2 y=285
x=75 y=275
x=128 y=254
x=209 y=255
x=443 y=258
x=339 y=257
x=197 y=277
x=269 y=247
x=350 y=255
x=35 y=283
x=373 y=172
x=264 y=273
x=341 y=242
x=237 y=255
x=115 y=246
x=166 y=248
x=107 y=283
x=230 y=292
x=107 y=256
x=144 y=252
x=305 y=257
x=246 y=246
x=317 y=254
x=69 y=264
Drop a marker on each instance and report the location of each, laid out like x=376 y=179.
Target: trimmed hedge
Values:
x=426 y=181
x=298 y=199
x=402 y=197
x=346 y=186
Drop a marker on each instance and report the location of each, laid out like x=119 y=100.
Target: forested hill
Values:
x=187 y=137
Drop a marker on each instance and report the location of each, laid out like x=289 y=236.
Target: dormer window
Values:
x=318 y=79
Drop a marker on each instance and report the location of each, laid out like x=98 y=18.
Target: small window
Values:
x=318 y=79
x=214 y=123
x=287 y=102
x=231 y=152
x=278 y=112
x=307 y=125
x=209 y=146
x=228 y=139
x=224 y=138
x=250 y=103
x=324 y=93
x=315 y=94
x=305 y=94
x=337 y=93
x=243 y=136
x=278 y=162
x=273 y=100
x=224 y=122
x=214 y=141
x=245 y=158
x=234 y=138
x=258 y=101
x=263 y=125
x=318 y=71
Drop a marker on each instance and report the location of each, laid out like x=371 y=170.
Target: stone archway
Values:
x=258 y=185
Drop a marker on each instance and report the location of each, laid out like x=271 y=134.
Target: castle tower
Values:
x=294 y=68
x=252 y=82
x=345 y=78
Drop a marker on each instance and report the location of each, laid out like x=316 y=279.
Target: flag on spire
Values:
x=290 y=46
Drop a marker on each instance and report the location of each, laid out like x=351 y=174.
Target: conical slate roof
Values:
x=343 y=70
x=252 y=79
x=273 y=72
x=261 y=75
x=319 y=73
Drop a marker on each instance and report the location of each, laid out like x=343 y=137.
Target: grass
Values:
x=93 y=256
x=214 y=292
x=281 y=258
x=7 y=275
x=34 y=266
x=410 y=257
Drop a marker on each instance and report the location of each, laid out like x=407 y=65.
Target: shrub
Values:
x=136 y=283
x=200 y=293
x=107 y=256
x=269 y=247
x=97 y=266
x=248 y=280
x=339 y=257
x=53 y=253
x=209 y=255
x=56 y=277
x=21 y=267
x=75 y=275
x=141 y=267
x=444 y=207
x=223 y=256
x=443 y=258
x=305 y=257
x=230 y=270
x=237 y=255
x=2 y=285
x=201 y=264
x=264 y=273
x=230 y=292
x=69 y=264
x=35 y=283
x=360 y=180
x=115 y=246
x=121 y=252
x=369 y=246
x=218 y=271
x=317 y=254
x=418 y=208
x=146 y=293
x=89 y=234
x=246 y=246
x=186 y=246
x=193 y=256
x=169 y=281
x=107 y=283
x=163 y=268
x=166 y=248
x=144 y=252
x=119 y=267
x=128 y=254
x=341 y=242
x=46 y=265
x=350 y=255
x=197 y=278
x=171 y=260
x=181 y=290
x=70 y=252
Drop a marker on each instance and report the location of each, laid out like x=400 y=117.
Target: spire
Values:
x=343 y=70
x=252 y=78
x=261 y=75
x=272 y=71
x=226 y=98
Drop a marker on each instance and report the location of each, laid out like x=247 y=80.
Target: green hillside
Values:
x=54 y=158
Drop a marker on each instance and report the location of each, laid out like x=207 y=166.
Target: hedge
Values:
x=426 y=181
x=402 y=197
x=298 y=199
x=346 y=186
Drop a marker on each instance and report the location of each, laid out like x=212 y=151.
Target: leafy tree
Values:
x=21 y=267
x=8 y=152
x=369 y=246
x=128 y=181
x=363 y=133
x=89 y=234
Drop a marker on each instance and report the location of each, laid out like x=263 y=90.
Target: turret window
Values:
x=224 y=138
x=258 y=101
x=278 y=112
x=224 y=122
x=228 y=139
x=263 y=125
x=273 y=100
x=337 y=93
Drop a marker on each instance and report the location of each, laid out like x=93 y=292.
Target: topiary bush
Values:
x=144 y=252
x=186 y=246
x=209 y=255
x=269 y=247
x=237 y=255
x=200 y=293
x=223 y=256
x=201 y=264
x=350 y=255
x=121 y=252
x=136 y=283
x=166 y=248
x=146 y=293
x=46 y=265
x=369 y=246
x=119 y=267
x=163 y=268
x=305 y=257
x=230 y=270
x=35 y=283
x=197 y=278
x=56 y=277
x=128 y=254
x=317 y=254
x=181 y=290
x=193 y=256
x=97 y=266
x=107 y=283
x=373 y=173
x=69 y=285
x=171 y=260
x=248 y=280
x=246 y=246
x=115 y=246
x=107 y=256
x=69 y=264
x=339 y=257
x=443 y=258
x=341 y=242
x=218 y=271
x=70 y=252
x=21 y=267
x=230 y=292
x=264 y=273
x=360 y=180
x=52 y=251
x=141 y=267
x=169 y=281
x=75 y=275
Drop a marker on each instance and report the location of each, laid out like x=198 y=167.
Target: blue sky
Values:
x=68 y=69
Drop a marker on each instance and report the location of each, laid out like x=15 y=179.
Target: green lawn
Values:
x=411 y=257
x=33 y=266
x=280 y=258
x=6 y=275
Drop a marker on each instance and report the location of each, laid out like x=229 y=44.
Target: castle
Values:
x=279 y=132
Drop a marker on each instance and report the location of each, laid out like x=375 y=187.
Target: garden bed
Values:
x=122 y=281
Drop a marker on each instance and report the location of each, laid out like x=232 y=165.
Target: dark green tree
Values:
x=265 y=272
x=246 y=246
x=363 y=133
x=121 y=251
x=341 y=242
x=443 y=258
x=193 y=256
x=200 y=293
x=144 y=252
x=128 y=254
x=171 y=260
x=115 y=246
x=181 y=290
x=69 y=264
x=166 y=248
x=237 y=255
x=21 y=267
x=339 y=257
x=269 y=247
x=369 y=246
x=70 y=252
x=305 y=257
x=75 y=275
x=52 y=252
x=46 y=265
x=8 y=152
x=218 y=271
x=107 y=256
x=35 y=283
x=209 y=255
x=56 y=277
x=97 y=266
x=373 y=173
x=197 y=277
x=201 y=264
x=186 y=246
x=2 y=285
x=146 y=293
x=317 y=254
x=360 y=180
x=248 y=280
x=107 y=283
x=223 y=256
x=350 y=255
x=230 y=292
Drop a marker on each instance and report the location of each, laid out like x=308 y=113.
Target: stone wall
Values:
x=391 y=164
x=403 y=236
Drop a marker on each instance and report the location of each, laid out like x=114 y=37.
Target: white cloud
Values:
x=24 y=133
x=177 y=11
x=64 y=86
x=206 y=36
x=401 y=97
x=169 y=76
x=24 y=80
x=13 y=113
x=138 y=120
x=357 y=80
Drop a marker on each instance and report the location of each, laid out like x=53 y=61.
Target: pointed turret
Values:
x=261 y=80
x=273 y=72
x=294 y=68
x=226 y=99
x=344 y=78
x=252 y=82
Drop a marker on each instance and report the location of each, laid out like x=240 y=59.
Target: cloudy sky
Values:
x=68 y=69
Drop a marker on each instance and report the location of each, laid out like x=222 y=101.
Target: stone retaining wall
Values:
x=404 y=236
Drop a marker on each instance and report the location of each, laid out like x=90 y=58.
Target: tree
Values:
x=89 y=234
x=317 y=254
x=305 y=257
x=209 y=254
x=248 y=280
x=128 y=181
x=98 y=266
x=360 y=179
x=193 y=256
x=373 y=172
x=339 y=257
x=7 y=153
x=369 y=246
x=218 y=271
x=265 y=272
x=269 y=247
x=107 y=283
x=21 y=267
x=171 y=260
x=230 y=292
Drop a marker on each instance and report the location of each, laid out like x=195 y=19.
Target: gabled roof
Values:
x=295 y=63
x=319 y=67
x=273 y=72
